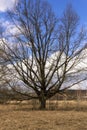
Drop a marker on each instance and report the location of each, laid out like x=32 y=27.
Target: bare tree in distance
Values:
x=45 y=49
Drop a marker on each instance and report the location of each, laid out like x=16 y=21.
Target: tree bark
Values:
x=42 y=103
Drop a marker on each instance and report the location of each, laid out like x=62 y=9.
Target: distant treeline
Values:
x=6 y=95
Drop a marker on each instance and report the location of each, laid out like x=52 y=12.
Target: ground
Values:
x=19 y=117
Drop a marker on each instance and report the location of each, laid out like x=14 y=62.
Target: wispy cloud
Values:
x=6 y=4
x=8 y=30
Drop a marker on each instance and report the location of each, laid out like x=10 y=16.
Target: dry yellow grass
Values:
x=19 y=117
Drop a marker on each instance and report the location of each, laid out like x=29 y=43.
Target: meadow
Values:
x=69 y=115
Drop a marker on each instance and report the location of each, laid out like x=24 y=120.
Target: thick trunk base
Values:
x=42 y=104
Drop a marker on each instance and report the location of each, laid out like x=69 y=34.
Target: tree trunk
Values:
x=42 y=103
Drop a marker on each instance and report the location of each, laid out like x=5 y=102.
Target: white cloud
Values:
x=6 y=4
x=8 y=29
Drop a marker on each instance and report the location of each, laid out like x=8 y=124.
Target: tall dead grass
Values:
x=53 y=104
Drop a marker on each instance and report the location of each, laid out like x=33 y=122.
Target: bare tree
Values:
x=2 y=70
x=45 y=49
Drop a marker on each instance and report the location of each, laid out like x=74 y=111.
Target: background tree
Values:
x=44 y=49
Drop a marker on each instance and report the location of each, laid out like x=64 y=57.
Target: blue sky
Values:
x=58 y=6
x=79 y=5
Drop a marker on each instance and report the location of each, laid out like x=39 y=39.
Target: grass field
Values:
x=20 y=117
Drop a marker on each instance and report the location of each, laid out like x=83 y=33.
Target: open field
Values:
x=20 y=117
